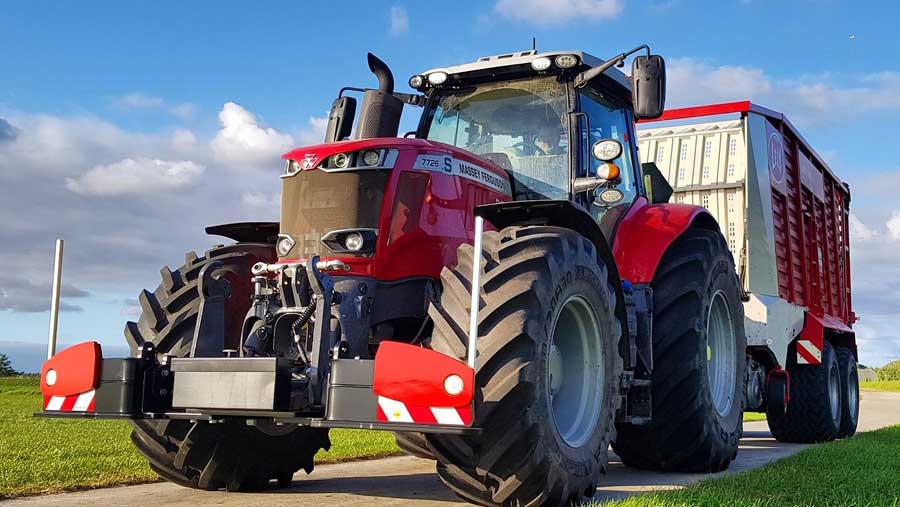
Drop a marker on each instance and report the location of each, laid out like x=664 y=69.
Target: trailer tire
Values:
x=849 y=392
x=229 y=455
x=698 y=330
x=546 y=421
x=813 y=413
x=414 y=444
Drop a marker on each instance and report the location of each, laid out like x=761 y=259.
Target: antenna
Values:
x=534 y=44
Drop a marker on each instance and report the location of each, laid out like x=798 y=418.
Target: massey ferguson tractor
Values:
x=507 y=289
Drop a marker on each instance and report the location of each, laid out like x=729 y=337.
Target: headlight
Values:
x=542 y=63
x=566 y=61
x=607 y=149
x=416 y=81
x=437 y=78
x=371 y=157
x=341 y=160
x=291 y=167
x=285 y=244
x=354 y=242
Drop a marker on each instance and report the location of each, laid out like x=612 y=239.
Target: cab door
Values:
x=602 y=116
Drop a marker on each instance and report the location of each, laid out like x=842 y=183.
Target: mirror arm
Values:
x=584 y=77
x=588 y=184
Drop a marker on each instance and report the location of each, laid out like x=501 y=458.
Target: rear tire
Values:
x=546 y=410
x=849 y=392
x=229 y=455
x=698 y=342
x=814 y=412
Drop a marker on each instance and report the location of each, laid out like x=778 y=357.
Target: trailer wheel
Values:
x=814 y=412
x=228 y=455
x=413 y=444
x=548 y=368
x=849 y=392
x=699 y=358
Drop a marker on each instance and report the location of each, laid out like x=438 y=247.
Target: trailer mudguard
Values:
x=646 y=232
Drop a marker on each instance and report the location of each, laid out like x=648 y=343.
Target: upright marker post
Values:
x=54 y=299
x=476 y=289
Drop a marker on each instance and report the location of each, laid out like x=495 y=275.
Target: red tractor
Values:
x=506 y=288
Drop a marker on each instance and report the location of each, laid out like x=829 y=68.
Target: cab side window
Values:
x=608 y=120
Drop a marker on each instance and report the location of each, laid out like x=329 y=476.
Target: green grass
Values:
x=880 y=385
x=863 y=471
x=754 y=416
x=40 y=455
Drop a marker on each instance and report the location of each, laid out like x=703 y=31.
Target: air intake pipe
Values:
x=380 y=112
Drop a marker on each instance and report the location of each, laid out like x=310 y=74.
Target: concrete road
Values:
x=411 y=482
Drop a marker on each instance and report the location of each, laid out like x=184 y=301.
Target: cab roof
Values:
x=523 y=58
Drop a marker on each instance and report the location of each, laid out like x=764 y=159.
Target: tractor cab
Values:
x=524 y=113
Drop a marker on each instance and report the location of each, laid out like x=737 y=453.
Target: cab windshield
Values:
x=520 y=125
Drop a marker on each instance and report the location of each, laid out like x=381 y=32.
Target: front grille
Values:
x=314 y=203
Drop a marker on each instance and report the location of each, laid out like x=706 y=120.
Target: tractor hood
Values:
x=362 y=200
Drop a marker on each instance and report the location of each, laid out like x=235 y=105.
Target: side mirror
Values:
x=648 y=83
x=340 y=119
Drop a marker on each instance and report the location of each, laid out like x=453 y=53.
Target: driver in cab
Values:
x=546 y=142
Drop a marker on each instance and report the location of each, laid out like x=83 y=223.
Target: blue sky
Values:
x=125 y=128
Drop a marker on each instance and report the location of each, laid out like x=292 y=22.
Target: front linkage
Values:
x=304 y=360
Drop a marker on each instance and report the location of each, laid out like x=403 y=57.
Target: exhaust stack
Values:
x=380 y=112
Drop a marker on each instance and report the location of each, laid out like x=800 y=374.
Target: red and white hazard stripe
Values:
x=396 y=411
x=808 y=352
x=83 y=402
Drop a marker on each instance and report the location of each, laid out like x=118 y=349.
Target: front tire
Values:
x=201 y=455
x=699 y=358
x=548 y=368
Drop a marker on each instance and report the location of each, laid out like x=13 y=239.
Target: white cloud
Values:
x=858 y=230
x=817 y=100
x=875 y=266
x=557 y=12
x=893 y=226
x=314 y=132
x=135 y=177
x=138 y=101
x=184 y=110
x=184 y=141
x=242 y=141
x=399 y=20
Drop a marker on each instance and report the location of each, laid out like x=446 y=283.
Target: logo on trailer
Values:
x=776 y=157
x=309 y=161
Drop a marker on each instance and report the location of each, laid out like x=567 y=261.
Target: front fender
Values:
x=646 y=232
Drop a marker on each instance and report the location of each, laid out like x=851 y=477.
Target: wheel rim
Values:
x=721 y=362
x=834 y=393
x=575 y=372
x=853 y=393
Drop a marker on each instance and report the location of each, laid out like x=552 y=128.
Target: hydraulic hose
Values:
x=298 y=324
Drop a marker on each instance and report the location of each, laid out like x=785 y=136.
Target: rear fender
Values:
x=647 y=231
x=247 y=232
